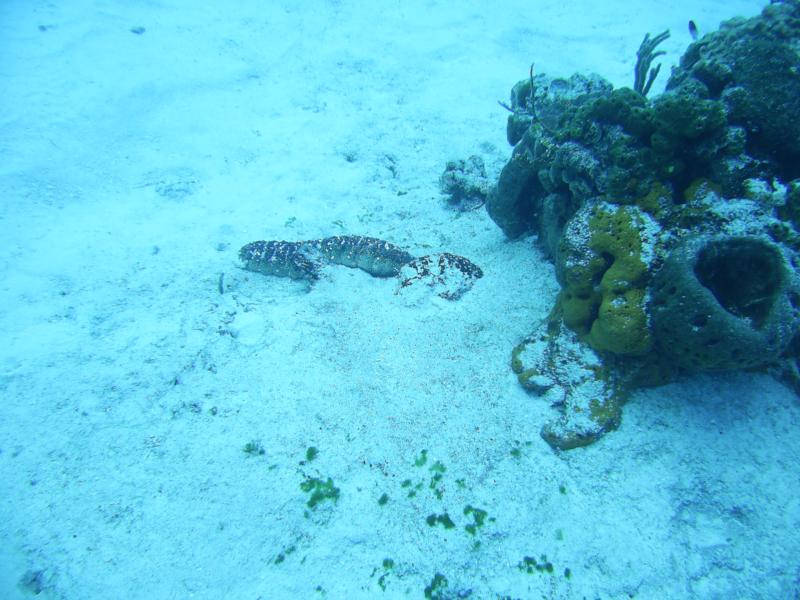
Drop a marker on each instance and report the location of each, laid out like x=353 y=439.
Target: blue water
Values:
x=173 y=426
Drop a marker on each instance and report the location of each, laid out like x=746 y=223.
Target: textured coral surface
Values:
x=672 y=220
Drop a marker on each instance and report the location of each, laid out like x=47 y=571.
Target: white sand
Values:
x=133 y=168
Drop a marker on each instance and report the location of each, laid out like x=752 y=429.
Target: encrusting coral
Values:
x=602 y=271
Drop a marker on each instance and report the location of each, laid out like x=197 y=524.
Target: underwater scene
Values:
x=329 y=299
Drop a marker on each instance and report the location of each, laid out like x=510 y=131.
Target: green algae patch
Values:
x=530 y=565
x=437 y=588
x=517 y=450
x=284 y=553
x=386 y=569
x=443 y=519
x=319 y=491
x=254 y=448
x=479 y=517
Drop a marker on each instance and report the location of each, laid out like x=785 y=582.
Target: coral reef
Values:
x=552 y=362
x=725 y=302
x=673 y=222
x=465 y=183
x=448 y=275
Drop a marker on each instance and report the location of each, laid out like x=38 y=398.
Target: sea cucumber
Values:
x=303 y=260
x=450 y=274
x=282 y=259
x=377 y=257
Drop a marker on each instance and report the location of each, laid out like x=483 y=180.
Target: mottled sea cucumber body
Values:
x=282 y=259
x=448 y=274
x=377 y=257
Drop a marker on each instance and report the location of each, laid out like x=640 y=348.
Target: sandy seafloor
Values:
x=134 y=165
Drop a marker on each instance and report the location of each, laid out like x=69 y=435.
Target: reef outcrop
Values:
x=673 y=222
